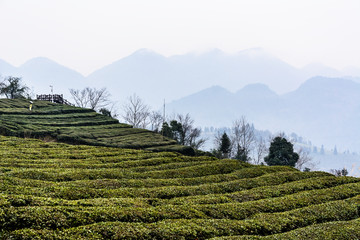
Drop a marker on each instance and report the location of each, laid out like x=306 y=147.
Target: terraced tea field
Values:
x=58 y=191
x=77 y=125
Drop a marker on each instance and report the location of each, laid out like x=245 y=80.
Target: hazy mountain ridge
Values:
x=176 y=76
x=39 y=73
x=6 y=68
x=325 y=110
x=155 y=77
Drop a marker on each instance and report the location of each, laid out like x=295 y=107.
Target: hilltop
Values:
x=63 y=123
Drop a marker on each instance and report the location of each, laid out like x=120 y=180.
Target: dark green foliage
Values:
x=241 y=155
x=166 y=130
x=183 y=132
x=12 y=88
x=177 y=132
x=344 y=230
x=281 y=152
x=225 y=145
x=174 y=131
x=340 y=172
x=105 y=111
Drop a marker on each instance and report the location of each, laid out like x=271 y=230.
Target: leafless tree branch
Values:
x=136 y=112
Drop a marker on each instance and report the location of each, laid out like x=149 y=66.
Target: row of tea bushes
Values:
x=155 y=192
x=344 y=230
x=57 y=191
x=57 y=122
x=54 y=217
x=261 y=224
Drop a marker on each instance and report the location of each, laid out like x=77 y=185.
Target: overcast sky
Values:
x=88 y=34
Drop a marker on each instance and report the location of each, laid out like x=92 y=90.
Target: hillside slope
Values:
x=77 y=126
x=60 y=191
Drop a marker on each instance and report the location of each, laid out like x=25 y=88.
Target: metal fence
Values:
x=54 y=98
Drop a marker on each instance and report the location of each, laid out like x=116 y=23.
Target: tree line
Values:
x=242 y=143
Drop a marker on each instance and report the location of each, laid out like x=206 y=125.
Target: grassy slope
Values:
x=60 y=191
x=76 y=125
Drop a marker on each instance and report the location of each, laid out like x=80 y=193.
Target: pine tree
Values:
x=225 y=146
x=281 y=152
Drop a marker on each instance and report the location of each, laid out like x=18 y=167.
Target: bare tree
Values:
x=305 y=160
x=243 y=139
x=260 y=150
x=183 y=131
x=98 y=98
x=217 y=139
x=194 y=138
x=91 y=98
x=187 y=126
x=339 y=172
x=80 y=97
x=190 y=136
x=156 y=120
x=136 y=112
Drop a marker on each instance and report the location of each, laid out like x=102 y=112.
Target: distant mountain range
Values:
x=39 y=73
x=273 y=94
x=154 y=77
x=324 y=110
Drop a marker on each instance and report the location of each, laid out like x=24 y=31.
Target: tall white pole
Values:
x=164 y=112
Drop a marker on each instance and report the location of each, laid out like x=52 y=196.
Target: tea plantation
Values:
x=76 y=125
x=54 y=190
x=60 y=191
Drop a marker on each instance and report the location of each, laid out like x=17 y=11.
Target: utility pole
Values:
x=163 y=119
x=164 y=112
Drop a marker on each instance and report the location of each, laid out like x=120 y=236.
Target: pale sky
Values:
x=88 y=34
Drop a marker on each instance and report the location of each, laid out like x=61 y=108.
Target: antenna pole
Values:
x=164 y=112
x=163 y=119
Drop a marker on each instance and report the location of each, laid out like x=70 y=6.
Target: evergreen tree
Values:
x=166 y=130
x=183 y=131
x=241 y=154
x=281 y=152
x=177 y=132
x=174 y=131
x=225 y=146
